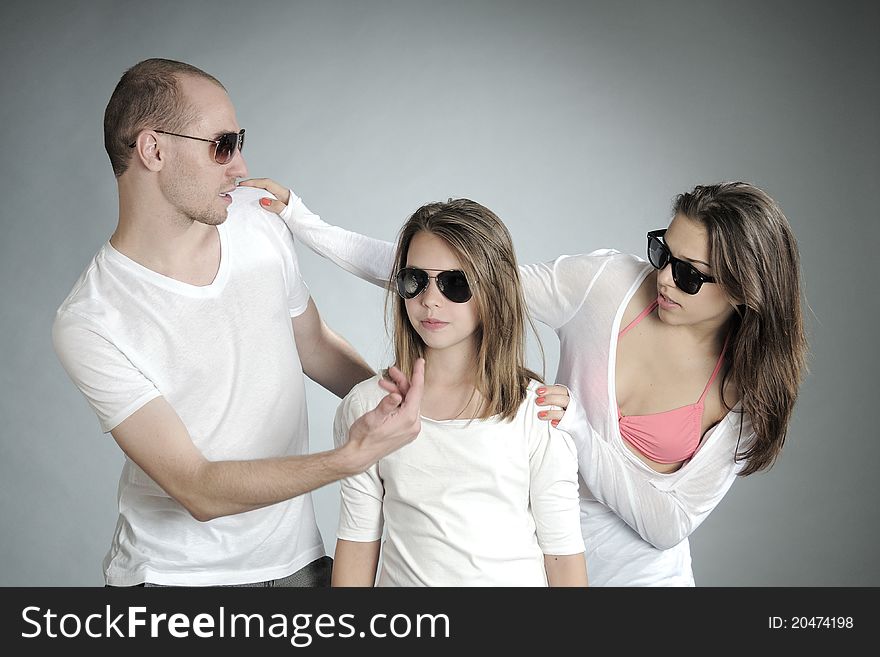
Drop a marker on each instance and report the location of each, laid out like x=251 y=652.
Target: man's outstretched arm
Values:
x=155 y=438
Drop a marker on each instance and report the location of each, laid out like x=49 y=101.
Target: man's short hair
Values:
x=148 y=96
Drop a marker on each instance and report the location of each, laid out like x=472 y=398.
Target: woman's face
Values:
x=688 y=240
x=441 y=323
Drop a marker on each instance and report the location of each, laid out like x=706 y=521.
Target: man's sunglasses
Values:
x=453 y=284
x=224 y=146
x=687 y=278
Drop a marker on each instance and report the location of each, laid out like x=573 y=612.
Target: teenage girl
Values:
x=486 y=495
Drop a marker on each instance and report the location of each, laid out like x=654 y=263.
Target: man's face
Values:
x=192 y=181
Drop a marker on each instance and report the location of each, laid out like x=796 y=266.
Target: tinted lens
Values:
x=411 y=282
x=686 y=277
x=226 y=146
x=454 y=286
x=658 y=256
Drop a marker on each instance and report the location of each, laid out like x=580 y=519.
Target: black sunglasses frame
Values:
x=687 y=278
x=423 y=279
x=234 y=138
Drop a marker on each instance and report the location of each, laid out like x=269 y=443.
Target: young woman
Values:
x=487 y=493
x=683 y=370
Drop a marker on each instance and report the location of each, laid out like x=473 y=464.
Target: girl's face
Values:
x=441 y=323
x=688 y=240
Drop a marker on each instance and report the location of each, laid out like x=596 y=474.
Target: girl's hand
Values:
x=280 y=192
x=555 y=399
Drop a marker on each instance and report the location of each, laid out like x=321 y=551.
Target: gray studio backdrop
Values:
x=577 y=122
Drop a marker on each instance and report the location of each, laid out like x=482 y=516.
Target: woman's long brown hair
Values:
x=754 y=256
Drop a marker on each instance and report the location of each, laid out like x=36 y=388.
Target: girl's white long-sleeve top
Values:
x=635 y=521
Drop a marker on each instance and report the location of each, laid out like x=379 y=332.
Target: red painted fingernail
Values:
x=554 y=422
x=541 y=391
x=265 y=201
x=542 y=414
x=540 y=400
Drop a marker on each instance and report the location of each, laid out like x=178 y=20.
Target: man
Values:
x=189 y=335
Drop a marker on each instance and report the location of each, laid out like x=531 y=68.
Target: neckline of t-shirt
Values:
x=533 y=385
x=172 y=284
x=460 y=421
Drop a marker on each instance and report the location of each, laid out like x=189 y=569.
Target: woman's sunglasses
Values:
x=224 y=146
x=453 y=284
x=687 y=278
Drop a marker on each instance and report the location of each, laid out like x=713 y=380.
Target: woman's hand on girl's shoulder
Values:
x=553 y=400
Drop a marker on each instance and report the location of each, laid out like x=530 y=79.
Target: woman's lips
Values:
x=665 y=302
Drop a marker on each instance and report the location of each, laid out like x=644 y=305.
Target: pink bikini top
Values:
x=670 y=436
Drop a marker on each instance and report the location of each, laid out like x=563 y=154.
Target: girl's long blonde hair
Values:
x=485 y=250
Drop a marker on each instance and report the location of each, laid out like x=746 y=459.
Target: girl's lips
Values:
x=433 y=324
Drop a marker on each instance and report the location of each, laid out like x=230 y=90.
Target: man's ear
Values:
x=146 y=148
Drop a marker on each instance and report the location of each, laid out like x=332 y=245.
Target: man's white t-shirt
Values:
x=224 y=357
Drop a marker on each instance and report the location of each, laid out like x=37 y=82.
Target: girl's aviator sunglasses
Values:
x=224 y=146
x=453 y=284
x=687 y=278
